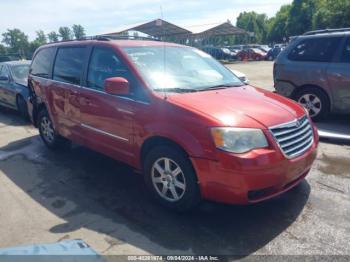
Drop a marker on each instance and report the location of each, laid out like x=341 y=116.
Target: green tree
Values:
x=300 y=16
x=78 y=31
x=38 y=41
x=53 y=36
x=16 y=40
x=65 y=33
x=277 y=25
x=3 y=50
x=40 y=37
x=255 y=23
x=331 y=14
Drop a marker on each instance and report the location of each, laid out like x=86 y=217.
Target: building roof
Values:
x=161 y=28
x=223 y=29
x=156 y=28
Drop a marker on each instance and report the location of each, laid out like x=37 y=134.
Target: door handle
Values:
x=338 y=76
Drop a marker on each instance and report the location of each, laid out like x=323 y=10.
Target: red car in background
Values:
x=175 y=114
x=254 y=54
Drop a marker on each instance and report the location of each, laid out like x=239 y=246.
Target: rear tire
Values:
x=315 y=101
x=171 y=179
x=48 y=134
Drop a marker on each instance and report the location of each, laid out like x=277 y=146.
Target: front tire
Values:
x=171 y=179
x=315 y=101
x=48 y=134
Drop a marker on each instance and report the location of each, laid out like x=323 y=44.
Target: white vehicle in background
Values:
x=241 y=76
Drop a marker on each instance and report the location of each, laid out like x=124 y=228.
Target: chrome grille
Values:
x=294 y=138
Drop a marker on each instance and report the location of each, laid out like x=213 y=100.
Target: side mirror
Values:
x=116 y=86
x=4 y=78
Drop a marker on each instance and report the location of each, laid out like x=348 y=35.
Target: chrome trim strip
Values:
x=280 y=133
x=308 y=134
x=299 y=146
x=125 y=111
x=298 y=133
x=298 y=153
x=104 y=132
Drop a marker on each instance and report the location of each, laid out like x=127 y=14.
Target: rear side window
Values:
x=345 y=57
x=42 y=62
x=69 y=65
x=4 y=71
x=315 y=49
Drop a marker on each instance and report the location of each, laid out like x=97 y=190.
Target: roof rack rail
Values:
x=108 y=38
x=119 y=37
x=325 y=31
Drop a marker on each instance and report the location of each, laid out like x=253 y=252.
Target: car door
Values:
x=64 y=91
x=1 y=88
x=107 y=119
x=339 y=78
x=5 y=87
x=10 y=91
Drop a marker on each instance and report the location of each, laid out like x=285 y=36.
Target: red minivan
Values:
x=174 y=113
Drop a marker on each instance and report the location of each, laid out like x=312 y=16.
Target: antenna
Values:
x=164 y=52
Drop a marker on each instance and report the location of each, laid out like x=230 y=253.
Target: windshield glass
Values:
x=20 y=73
x=180 y=68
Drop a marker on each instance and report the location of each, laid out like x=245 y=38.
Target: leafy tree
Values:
x=40 y=37
x=278 y=24
x=78 y=31
x=331 y=14
x=65 y=33
x=39 y=41
x=254 y=22
x=300 y=16
x=16 y=40
x=53 y=36
x=3 y=50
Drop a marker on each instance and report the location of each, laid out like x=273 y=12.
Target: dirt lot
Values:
x=50 y=196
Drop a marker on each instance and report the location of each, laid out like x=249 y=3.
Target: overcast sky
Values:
x=103 y=16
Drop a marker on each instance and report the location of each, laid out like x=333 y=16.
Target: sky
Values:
x=106 y=16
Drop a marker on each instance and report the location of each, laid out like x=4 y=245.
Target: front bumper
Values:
x=252 y=177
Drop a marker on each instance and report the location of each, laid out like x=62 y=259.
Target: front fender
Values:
x=177 y=134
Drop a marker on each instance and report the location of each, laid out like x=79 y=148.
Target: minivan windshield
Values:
x=180 y=69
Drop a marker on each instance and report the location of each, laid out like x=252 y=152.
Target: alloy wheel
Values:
x=47 y=130
x=312 y=103
x=168 y=179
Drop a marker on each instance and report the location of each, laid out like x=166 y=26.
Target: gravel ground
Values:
x=51 y=196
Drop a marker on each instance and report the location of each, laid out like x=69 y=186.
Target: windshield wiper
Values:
x=176 y=90
x=223 y=86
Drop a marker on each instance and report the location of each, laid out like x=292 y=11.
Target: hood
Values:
x=244 y=106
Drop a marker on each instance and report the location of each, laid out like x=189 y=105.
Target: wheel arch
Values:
x=307 y=86
x=37 y=109
x=155 y=141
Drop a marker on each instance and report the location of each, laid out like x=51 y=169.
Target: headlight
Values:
x=238 y=140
